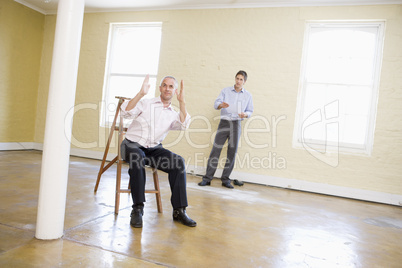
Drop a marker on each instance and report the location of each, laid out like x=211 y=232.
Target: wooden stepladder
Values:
x=121 y=130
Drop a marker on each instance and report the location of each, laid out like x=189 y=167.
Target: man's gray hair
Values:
x=176 y=84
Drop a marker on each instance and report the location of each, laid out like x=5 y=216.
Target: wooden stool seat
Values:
x=121 y=130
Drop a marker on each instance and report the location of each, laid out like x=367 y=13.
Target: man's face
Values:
x=167 y=89
x=240 y=81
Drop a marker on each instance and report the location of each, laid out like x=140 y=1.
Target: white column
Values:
x=56 y=147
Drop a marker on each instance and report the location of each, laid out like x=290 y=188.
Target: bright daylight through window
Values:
x=133 y=52
x=339 y=83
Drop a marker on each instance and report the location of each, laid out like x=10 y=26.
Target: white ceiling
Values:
x=50 y=6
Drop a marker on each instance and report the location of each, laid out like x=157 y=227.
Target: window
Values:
x=133 y=52
x=339 y=83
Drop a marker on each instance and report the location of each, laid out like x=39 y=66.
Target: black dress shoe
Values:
x=227 y=185
x=204 y=183
x=179 y=214
x=136 y=217
x=237 y=182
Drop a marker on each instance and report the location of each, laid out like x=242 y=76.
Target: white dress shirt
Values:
x=151 y=121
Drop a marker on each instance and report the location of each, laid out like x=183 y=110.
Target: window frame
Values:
x=108 y=74
x=322 y=145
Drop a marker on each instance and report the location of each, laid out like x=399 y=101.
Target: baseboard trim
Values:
x=11 y=146
x=91 y=154
x=294 y=184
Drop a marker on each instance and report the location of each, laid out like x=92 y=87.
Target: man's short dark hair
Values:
x=243 y=73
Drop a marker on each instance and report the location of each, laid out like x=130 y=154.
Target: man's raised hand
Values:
x=180 y=95
x=145 y=86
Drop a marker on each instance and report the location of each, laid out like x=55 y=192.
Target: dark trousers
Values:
x=160 y=158
x=230 y=131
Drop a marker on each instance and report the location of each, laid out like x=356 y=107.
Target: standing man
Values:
x=235 y=104
x=152 y=120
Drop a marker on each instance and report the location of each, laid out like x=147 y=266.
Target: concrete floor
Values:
x=250 y=226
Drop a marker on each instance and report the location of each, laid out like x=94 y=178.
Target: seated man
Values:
x=152 y=120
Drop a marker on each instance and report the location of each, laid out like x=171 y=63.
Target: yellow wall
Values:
x=21 y=39
x=207 y=47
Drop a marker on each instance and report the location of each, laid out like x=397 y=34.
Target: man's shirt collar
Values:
x=159 y=100
x=242 y=89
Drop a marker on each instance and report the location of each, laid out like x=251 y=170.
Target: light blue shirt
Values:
x=239 y=102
